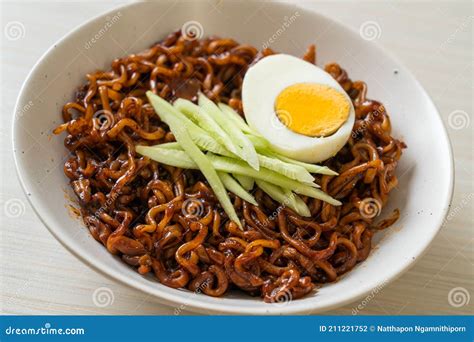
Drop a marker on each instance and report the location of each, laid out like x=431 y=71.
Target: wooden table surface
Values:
x=434 y=39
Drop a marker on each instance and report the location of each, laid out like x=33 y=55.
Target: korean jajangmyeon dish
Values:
x=215 y=166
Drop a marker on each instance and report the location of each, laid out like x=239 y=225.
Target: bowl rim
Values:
x=192 y=304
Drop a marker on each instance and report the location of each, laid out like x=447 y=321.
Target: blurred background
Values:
x=434 y=39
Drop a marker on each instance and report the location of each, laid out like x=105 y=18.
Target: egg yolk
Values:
x=312 y=109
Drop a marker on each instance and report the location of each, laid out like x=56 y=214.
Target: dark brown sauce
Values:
x=185 y=88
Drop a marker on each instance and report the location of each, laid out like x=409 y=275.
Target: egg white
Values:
x=262 y=84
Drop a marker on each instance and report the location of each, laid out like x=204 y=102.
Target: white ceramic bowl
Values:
x=425 y=171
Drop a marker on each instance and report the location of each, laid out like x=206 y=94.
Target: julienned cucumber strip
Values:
x=233 y=186
x=168 y=114
x=206 y=122
x=278 y=171
x=168 y=155
x=297 y=203
x=194 y=129
x=311 y=168
x=238 y=167
x=263 y=147
x=236 y=118
x=248 y=150
x=206 y=142
x=226 y=164
x=272 y=163
x=179 y=158
x=199 y=136
x=260 y=143
x=204 y=145
x=285 y=197
x=172 y=154
x=168 y=146
x=234 y=166
x=289 y=170
x=324 y=170
x=246 y=181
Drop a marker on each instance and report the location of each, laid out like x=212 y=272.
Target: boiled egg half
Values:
x=299 y=108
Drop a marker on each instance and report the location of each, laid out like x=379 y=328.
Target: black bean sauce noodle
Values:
x=166 y=221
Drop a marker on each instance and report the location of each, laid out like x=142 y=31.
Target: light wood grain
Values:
x=434 y=39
